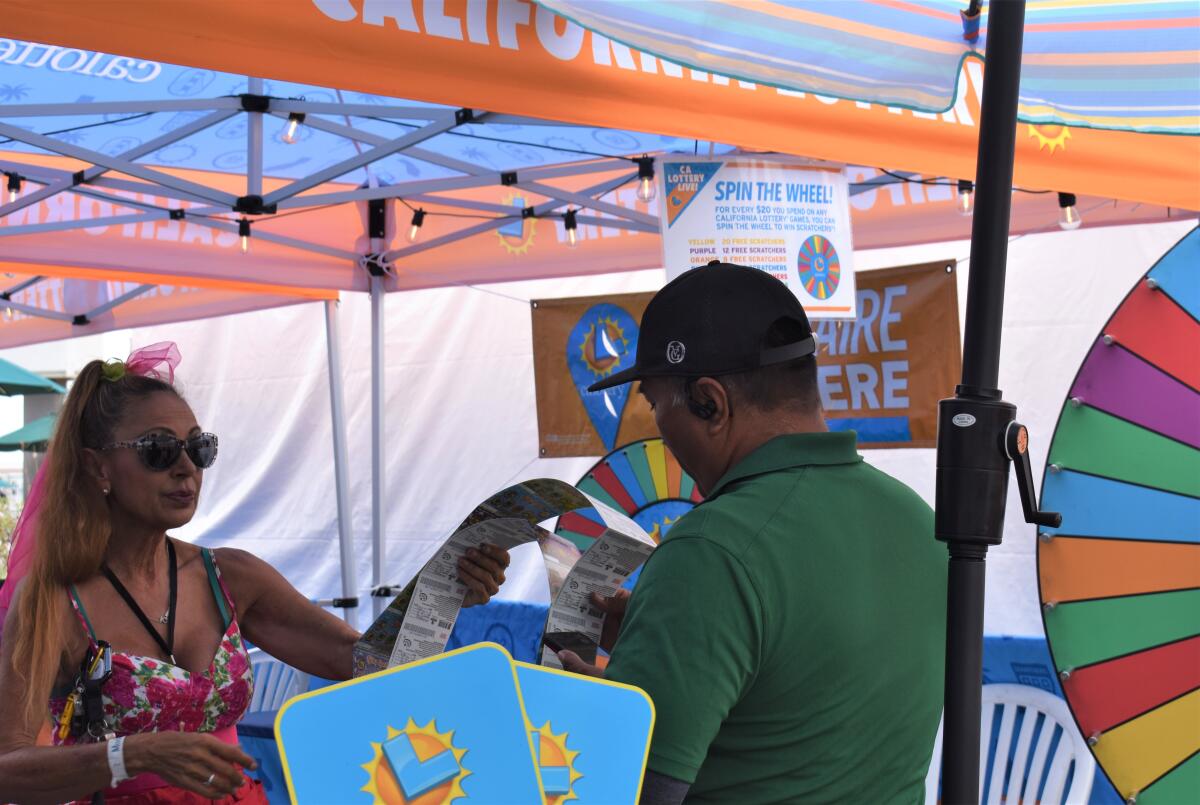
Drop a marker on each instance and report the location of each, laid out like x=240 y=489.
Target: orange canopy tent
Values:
x=513 y=57
x=317 y=229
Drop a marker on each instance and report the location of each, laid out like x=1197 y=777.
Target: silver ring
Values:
x=210 y=779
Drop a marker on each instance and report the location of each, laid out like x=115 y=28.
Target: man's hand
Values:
x=613 y=608
x=574 y=663
x=482 y=570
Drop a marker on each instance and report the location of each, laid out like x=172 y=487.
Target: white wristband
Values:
x=116 y=760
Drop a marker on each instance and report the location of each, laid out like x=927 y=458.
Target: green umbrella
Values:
x=14 y=381
x=33 y=436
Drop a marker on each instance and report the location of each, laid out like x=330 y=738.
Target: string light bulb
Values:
x=8 y=313
x=647 y=188
x=244 y=233
x=966 y=197
x=14 y=186
x=1068 y=215
x=572 y=227
x=295 y=119
x=418 y=220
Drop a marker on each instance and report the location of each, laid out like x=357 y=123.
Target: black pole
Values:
x=973 y=427
x=993 y=195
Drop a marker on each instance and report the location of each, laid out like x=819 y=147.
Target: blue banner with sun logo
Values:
x=577 y=342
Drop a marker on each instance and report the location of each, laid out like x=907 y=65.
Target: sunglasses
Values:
x=159 y=452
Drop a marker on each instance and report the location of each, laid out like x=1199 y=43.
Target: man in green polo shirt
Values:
x=790 y=629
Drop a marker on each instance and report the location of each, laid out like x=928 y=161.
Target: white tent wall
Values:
x=462 y=420
x=460 y=423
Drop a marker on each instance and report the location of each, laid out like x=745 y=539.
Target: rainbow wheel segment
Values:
x=1119 y=581
x=643 y=480
x=818 y=267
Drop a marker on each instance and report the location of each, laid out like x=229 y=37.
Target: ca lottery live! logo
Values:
x=468 y=726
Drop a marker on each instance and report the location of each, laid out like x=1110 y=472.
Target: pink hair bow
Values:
x=157 y=360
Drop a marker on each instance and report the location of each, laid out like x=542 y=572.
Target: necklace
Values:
x=168 y=617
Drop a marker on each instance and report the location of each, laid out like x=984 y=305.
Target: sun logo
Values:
x=517 y=236
x=661 y=528
x=556 y=764
x=416 y=766
x=1050 y=136
x=603 y=345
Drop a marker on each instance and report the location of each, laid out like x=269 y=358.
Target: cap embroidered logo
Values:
x=675 y=352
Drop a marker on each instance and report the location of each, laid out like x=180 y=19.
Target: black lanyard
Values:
x=167 y=645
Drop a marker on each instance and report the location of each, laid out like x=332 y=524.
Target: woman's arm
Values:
x=31 y=773
x=286 y=625
x=273 y=615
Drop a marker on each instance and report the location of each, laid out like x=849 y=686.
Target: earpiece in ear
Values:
x=704 y=410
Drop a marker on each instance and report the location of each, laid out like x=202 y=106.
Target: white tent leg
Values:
x=341 y=463
x=378 y=546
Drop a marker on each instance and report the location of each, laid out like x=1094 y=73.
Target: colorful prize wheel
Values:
x=818 y=267
x=642 y=479
x=1120 y=580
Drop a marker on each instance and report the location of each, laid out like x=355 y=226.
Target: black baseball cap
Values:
x=713 y=320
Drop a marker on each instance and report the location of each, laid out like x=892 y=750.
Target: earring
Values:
x=106 y=490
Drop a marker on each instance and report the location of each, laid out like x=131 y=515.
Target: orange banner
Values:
x=883 y=373
x=880 y=374
x=509 y=56
x=577 y=342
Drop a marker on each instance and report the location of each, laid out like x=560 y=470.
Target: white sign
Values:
x=780 y=215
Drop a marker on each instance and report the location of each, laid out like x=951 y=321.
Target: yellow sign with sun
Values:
x=416 y=766
x=556 y=764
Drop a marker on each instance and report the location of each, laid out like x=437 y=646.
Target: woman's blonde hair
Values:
x=73 y=526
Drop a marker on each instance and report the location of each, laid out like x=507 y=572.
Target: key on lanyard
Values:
x=98 y=672
x=95 y=665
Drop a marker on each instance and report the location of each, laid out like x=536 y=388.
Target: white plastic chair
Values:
x=1043 y=715
x=274 y=682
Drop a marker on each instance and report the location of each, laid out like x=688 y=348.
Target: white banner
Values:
x=779 y=214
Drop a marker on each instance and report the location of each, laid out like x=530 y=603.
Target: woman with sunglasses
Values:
x=137 y=641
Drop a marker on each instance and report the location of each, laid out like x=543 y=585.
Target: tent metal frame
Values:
x=95 y=182
x=291 y=196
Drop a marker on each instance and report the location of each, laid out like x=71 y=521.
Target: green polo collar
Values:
x=793 y=450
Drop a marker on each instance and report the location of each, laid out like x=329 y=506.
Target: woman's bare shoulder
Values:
x=237 y=561
x=245 y=574
x=73 y=640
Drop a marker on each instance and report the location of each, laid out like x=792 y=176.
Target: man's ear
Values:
x=710 y=395
x=94 y=467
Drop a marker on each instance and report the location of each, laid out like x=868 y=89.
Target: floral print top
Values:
x=146 y=694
